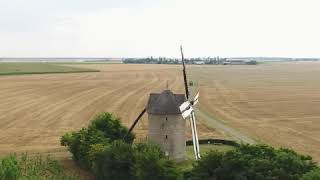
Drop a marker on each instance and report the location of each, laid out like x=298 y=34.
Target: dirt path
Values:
x=212 y=122
x=231 y=132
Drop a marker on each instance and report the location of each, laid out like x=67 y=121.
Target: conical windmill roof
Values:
x=165 y=103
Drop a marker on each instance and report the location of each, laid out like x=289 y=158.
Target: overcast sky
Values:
x=138 y=28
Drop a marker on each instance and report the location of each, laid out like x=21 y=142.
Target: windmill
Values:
x=187 y=110
x=166 y=120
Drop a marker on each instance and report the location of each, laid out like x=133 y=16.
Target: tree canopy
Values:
x=254 y=162
x=102 y=149
x=104 y=129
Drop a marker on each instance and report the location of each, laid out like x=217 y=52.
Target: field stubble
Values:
x=277 y=103
x=35 y=110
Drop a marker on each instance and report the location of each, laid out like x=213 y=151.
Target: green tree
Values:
x=151 y=163
x=111 y=127
x=114 y=161
x=254 y=162
x=102 y=130
x=312 y=175
x=141 y=161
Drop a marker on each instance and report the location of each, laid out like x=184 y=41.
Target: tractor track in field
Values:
x=276 y=104
x=212 y=122
x=35 y=110
x=231 y=132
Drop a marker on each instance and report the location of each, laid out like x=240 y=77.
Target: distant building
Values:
x=199 y=62
x=235 y=62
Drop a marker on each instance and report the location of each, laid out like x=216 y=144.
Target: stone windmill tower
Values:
x=166 y=125
x=167 y=113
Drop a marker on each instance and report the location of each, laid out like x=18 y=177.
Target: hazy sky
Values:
x=123 y=28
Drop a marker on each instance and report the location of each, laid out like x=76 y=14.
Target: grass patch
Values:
x=38 y=68
x=92 y=62
x=32 y=167
x=204 y=149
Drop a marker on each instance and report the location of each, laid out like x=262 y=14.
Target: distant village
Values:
x=199 y=61
x=213 y=60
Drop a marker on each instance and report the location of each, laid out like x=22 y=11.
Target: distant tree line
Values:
x=164 y=60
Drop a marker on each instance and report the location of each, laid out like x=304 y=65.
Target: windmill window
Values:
x=166 y=118
x=166 y=136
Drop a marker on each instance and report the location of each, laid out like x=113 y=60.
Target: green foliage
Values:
x=114 y=161
x=102 y=130
x=123 y=161
x=79 y=144
x=111 y=127
x=101 y=148
x=9 y=168
x=151 y=163
x=252 y=162
x=13 y=168
x=312 y=175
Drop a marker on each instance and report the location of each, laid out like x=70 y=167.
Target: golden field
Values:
x=276 y=103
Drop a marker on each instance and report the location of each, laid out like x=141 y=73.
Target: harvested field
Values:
x=274 y=103
x=35 y=110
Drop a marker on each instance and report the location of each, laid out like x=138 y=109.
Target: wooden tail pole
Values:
x=184 y=74
x=135 y=122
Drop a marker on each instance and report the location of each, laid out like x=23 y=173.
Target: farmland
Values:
x=36 y=110
x=19 y=68
x=274 y=103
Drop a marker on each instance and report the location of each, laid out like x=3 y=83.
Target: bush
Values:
x=101 y=148
x=9 y=168
x=124 y=161
x=102 y=130
x=110 y=127
x=312 y=175
x=114 y=161
x=252 y=162
x=151 y=163
x=37 y=167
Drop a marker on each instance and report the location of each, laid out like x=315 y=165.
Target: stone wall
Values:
x=169 y=132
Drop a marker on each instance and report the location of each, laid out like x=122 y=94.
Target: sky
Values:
x=140 y=28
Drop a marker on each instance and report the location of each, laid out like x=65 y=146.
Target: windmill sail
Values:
x=196 y=133
x=187 y=110
x=184 y=106
x=196 y=99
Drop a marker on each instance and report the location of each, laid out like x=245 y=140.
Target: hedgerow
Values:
x=36 y=167
x=256 y=162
